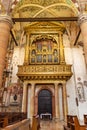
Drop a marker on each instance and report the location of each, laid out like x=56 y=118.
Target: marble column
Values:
x=82 y=20
x=65 y=102
x=56 y=101
x=5 y=26
x=24 y=100
x=29 y=98
x=32 y=101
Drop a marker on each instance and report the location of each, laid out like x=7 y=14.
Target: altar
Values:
x=45 y=116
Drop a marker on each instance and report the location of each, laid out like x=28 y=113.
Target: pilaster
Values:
x=26 y=58
x=62 y=58
x=32 y=100
x=56 y=101
x=65 y=102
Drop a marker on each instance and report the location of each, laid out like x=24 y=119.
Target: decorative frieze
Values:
x=44 y=68
x=44 y=72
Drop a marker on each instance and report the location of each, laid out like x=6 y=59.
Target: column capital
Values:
x=7 y=19
x=82 y=18
x=25 y=84
x=56 y=84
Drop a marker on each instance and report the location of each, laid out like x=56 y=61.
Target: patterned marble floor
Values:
x=51 y=125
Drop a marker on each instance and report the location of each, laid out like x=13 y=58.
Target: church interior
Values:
x=43 y=63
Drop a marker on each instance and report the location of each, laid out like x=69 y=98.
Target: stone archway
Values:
x=51 y=92
x=44 y=101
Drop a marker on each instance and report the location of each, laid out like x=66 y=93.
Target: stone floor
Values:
x=51 y=125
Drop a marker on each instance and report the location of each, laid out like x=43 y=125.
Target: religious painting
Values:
x=85 y=83
x=16 y=92
x=80 y=92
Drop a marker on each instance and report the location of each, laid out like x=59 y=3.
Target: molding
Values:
x=82 y=18
x=44 y=72
x=7 y=19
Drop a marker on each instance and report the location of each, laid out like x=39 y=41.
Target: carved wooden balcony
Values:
x=44 y=72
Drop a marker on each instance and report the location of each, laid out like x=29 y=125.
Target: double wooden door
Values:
x=44 y=102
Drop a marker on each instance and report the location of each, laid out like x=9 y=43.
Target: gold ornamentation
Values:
x=42 y=8
x=2 y=9
x=46 y=72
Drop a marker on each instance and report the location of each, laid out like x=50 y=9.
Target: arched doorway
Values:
x=44 y=102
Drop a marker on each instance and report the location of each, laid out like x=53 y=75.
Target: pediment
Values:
x=45 y=25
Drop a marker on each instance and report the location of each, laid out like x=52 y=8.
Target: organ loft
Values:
x=43 y=58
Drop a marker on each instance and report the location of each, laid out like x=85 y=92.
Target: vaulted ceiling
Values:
x=41 y=9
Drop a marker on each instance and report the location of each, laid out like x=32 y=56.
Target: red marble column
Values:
x=5 y=26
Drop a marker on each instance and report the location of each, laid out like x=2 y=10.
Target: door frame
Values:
x=43 y=98
x=36 y=101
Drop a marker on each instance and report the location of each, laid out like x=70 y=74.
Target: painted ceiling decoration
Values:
x=42 y=8
x=39 y=9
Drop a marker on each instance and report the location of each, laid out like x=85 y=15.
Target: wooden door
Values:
x=44 y=102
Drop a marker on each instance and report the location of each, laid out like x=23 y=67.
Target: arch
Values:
x=44 y=101
x=47 y=8
x=36 y=99
x=44 y=87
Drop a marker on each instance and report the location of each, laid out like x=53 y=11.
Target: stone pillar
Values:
x=56 y=101
x=29 y=98
x=65 y=102
x=82 y=20
x=32 y=101
x=5 y=26
x=24 y=100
